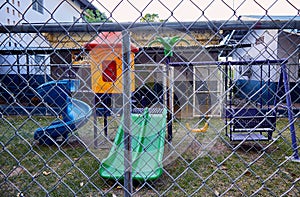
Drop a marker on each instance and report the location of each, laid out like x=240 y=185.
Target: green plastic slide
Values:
x=148 y=138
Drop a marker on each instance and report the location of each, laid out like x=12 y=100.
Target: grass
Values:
x=208 y=165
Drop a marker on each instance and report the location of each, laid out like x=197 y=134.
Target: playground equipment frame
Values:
x=283 y=80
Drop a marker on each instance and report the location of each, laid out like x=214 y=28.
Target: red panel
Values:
x=109 y=71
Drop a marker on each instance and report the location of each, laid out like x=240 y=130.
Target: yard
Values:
x=202 y=164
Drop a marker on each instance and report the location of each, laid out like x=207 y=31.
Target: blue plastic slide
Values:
x=74 y=113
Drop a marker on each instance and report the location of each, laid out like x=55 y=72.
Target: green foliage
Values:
x=95 y=16
x=150 y=18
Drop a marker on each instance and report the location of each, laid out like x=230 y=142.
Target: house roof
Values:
x=235 y=36
x=85 y=4
x=108 y=40
x=269 y=17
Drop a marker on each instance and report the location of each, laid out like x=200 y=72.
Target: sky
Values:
x=192 y=10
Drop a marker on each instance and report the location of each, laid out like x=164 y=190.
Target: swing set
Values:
x=255 y=120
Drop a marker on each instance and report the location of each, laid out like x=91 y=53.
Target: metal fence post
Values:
x=126 y=113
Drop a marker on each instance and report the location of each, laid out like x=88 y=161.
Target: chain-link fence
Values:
x=92 y=105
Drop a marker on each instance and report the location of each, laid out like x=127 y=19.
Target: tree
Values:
x=94 y=16
x=150 y=18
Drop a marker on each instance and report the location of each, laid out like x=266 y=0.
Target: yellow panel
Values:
x=98 y=55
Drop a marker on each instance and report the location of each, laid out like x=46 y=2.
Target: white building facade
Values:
x=17 y=12
x=270 y=44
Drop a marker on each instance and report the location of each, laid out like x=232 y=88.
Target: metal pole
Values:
x=169 y=114
x=126 y=114
x=290 y=112
x=165 y=87
x=95 y=121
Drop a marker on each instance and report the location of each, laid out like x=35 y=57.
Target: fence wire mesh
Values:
x=94 y=105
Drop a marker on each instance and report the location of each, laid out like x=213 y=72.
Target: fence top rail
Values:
x=181 y=26
x=253 y=62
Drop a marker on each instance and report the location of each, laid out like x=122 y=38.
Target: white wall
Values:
x=21 y=11
x=14 y=12
x=55 y=11
x=287 y=49
x=264 y=44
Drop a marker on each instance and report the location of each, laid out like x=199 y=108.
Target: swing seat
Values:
x=251 y=124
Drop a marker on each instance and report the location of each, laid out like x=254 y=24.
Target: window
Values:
x=18 y=3
x=13 y=12
x=7 y=9
x=13 y=1
x=38 y=63
x=8 y=21
x=39 y=59
x=38 y=5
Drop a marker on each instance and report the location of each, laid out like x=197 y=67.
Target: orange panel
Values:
x=100 y=57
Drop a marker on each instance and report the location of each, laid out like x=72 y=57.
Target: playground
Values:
x=160 y=148
x=151 y=111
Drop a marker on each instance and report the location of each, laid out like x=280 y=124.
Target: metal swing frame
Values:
x=232 y=116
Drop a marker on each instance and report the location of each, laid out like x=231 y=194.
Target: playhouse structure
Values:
x=106 y=63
